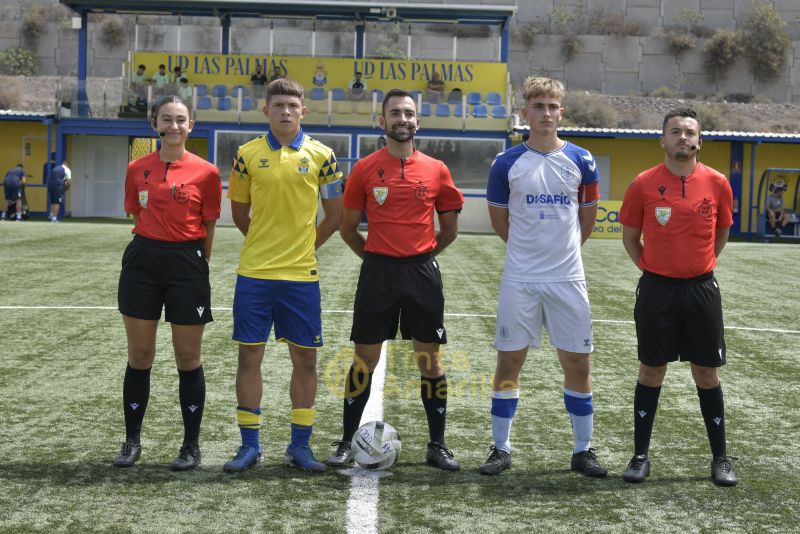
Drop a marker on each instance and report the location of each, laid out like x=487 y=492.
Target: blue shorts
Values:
x=294 y=307
x=12 y=191
x=55 y=194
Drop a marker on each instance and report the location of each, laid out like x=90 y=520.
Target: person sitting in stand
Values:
x=184 y=89
x=776 y=214
x=357 y=88
x=435 y=90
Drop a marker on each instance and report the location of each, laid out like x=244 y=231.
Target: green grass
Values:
x=61 y=417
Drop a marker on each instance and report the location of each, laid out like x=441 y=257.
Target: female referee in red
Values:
x=174 y=197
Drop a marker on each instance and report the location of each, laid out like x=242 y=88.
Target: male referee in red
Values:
x=684 y=209
x=399 y=188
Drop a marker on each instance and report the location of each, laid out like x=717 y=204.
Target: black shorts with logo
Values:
x=679 y=319
x=158 y=274
x=392 y=290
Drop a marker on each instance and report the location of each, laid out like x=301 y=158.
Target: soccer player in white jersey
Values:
x=542 y=197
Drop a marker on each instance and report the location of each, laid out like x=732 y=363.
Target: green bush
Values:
x=589 y=110
x=33 y=25
x=663 y=92
x=18 y=62
x=678 y=40
x=613 y=23
x=112 y=31
x=722 y=51
x=765 y=41
x=712 y=119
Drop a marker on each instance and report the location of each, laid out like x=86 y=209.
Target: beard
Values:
x=401 y=135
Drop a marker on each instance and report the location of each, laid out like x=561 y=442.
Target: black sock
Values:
x=712 y=406
x=192 y=394
x=645 y=403
x=434 y=398
x=135 y=394
x=356 y=394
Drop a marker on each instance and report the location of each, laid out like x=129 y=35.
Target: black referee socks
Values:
x=356 y=394
x=434 y=398
x=135 y=394
x=712 y=406
x=192 y=394
x=645 y=403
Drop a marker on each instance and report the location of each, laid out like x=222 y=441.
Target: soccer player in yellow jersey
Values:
x=275 y=185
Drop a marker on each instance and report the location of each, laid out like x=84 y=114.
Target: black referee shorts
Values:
x=679 y=319
x=392 y=290
x=158 y=274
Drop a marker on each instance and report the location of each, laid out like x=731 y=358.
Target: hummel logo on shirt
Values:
x=134 y=405
x=192 y=408
x=439 y=332
x=718 y=420
x=200 y=310
x=642 y=413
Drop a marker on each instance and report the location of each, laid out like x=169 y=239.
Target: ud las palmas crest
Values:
x=662 y=215
x=380 y=194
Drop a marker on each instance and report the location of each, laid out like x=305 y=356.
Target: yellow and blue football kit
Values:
x=283 y=185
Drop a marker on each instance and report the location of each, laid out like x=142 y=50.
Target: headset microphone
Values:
x=163 y=134
x=694 y=147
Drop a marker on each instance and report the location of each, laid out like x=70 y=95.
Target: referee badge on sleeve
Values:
x=380 y=194
x=143 y=199
x=662 y=215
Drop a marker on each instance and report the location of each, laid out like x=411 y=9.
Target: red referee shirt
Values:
x=172 y=200
x=679 y=221
x=399 y=197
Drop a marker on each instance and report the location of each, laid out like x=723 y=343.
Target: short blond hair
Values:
x=536 y=86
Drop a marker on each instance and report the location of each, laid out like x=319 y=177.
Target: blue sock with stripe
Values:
x=581 y=413
x=249 y=426
x=504 y=406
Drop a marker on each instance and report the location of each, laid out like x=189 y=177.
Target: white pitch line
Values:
x=462 y=315
x=362 y=504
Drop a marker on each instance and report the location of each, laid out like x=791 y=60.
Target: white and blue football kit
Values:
x=543 y=279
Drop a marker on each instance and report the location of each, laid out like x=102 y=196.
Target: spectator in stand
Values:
x=138 y=87
x=277 y=74
x=357 y=88
x=455 y=96
x=435 y=91
x=184 y=90
x=161 y=80
x=258 y=81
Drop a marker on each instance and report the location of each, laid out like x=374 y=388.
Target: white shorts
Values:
x=561 y=307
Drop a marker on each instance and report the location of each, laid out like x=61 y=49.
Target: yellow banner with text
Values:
x=236 y=69
x=607 y=225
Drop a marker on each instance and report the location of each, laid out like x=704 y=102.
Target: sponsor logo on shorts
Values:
x=440 y=332
x=663 y=215
x=200 y=310
x=380 y=194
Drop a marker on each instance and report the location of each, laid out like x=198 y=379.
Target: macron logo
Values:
x=440 y=410
x=439 y=332
x=590 y=159
x=134 y=405
x=192 y=408
x=642 y=413
x=200 y=310
x=350 y=401
x=718 y=420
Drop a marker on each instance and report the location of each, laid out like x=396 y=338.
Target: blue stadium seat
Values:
x=219 y=90
x=459 y=109
x=203 y=102
x=473 y=99
x=494 y=99
x=202 y=89
x=224 y=103
x=425 y=111
x=442 y=110
x=238 y=89
x=248 y=104
x=338 y=93
x=499 y=112
x=480 y=111
x=318 y=93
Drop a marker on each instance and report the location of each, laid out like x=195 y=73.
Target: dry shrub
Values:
x=10 y=92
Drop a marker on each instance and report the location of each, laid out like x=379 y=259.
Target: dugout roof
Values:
x=330 y=10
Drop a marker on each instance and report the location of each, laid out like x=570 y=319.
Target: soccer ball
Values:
x=376 y=445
